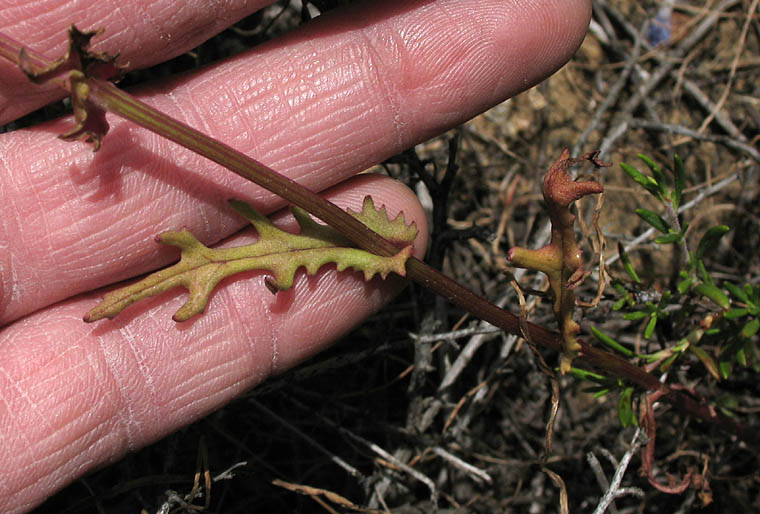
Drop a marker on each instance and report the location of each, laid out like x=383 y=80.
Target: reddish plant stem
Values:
x=108 y=97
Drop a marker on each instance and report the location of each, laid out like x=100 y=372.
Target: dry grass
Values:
x=387 y=421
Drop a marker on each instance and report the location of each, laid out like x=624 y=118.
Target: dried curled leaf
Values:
x=280 y=253
x=79 y=64
x=561 y=260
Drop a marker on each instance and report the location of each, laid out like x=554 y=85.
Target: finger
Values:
x=142 y=33
x=345 y=92
x=74 y=395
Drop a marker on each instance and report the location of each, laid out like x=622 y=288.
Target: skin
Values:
x=319 y=105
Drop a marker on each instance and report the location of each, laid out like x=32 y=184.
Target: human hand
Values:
x=345 y=91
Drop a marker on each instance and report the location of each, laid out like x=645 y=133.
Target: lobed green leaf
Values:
x=279 y=253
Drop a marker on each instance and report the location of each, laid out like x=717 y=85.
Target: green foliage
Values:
x=626 y=413
x=714 y=322
x=720 y=319
x=280 y=253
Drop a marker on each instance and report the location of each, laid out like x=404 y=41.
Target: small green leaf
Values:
x=653 y=219
x=707 y=361
x=724 y=367
x=646 y=182
x=751 y=328
x=627 y=266
x=684 y=285
x=710 y=240
x=714 y=294
x=626 y=298
x=669 y=238
x=702 y=272
x=735 y=313
x=588 y=375
x=625 y=408
x=667 y=363
x=737 y=291
x=651 y=324
x=601 y=392
x=680 y=182
x=635 y=315
x=659 y=176
x=741 y=357
x=607 y=340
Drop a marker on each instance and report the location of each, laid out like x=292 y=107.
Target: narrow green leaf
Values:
x=625 y=408
x=277 y=252
x=653 y=219
x=680 y=182
x=659 y=176
x=737 y=291
x=601 y=392
x=754 y=293
x=736 y=313
x=651 y=324
x=607 y=340
x=684 y=285
x=707 y=361
x=669 y=238
x=702 y=272
x=751 y=328
x=636 y=315
x=667 y=363
x=741 y=357
x=619 y=287
x=627 y=266
x=646 y=182
x=714 y=294
x=724 y=367
x=588 y=375
x=710 y=240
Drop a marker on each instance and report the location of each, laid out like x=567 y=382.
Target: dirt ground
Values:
x=425 y=408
